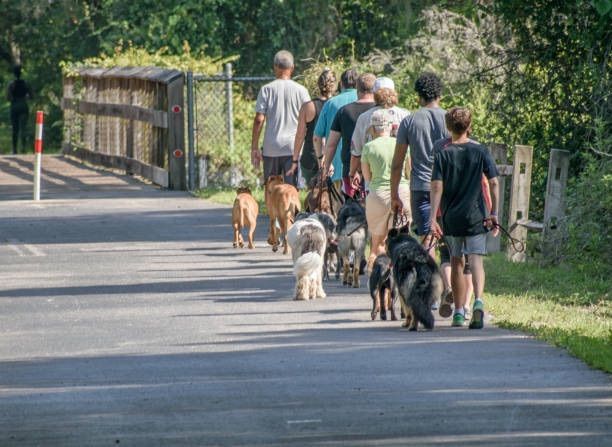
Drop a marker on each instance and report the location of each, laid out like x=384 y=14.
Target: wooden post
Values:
x=176 y=134
x=558 y=167
x=499 y=152
x=519 y=199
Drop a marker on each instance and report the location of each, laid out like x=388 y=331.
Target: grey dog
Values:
x=352 y=237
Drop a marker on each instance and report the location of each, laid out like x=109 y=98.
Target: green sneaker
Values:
x=477 y=321
x=458 y=320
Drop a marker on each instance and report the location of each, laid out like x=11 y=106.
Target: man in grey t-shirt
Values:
x=278 y=104
x=419 y=131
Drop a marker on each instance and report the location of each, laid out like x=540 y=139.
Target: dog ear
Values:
x=405 y=229
x=393 y=232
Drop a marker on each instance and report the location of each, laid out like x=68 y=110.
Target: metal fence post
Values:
x=230 y=106
x=190 y=132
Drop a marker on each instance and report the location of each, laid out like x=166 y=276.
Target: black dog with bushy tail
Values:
x=417 y=277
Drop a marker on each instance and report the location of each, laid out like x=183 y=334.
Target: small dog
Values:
x=283 y=203
x=307 y=240
x=331 y=252
x=352 y=237
x=382 y=288
x=244 y=213
x=416 y=275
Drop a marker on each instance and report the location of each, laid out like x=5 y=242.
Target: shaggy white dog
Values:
x=308 y=240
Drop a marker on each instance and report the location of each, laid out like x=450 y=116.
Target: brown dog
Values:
x=283 y=203
x=244 y=214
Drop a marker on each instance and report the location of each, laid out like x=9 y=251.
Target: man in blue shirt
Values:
x=348 y=94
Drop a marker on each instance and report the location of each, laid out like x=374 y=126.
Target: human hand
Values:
x=256 y=157
x=293 y=169
x=396 y=205
x=492 y=224
x=435 y=229
x=356 y=181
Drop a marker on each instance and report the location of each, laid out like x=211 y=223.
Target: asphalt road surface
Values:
x=127 y=318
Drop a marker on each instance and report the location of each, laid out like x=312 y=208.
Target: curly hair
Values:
x=327 y=83
x=385 y=97
x=428 y=86
x=458 y=120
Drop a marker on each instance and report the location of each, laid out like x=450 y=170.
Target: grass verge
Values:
x=560 y=305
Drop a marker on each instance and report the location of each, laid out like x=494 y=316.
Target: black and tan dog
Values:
x=244 y=214
x=382 y=288
x=417 y=277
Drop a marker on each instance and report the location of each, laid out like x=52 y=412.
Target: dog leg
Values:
x=319 y=286
x=346 y=278
x=392 y=304
x=375 y=305
x=356 y=264
x=301 y=289
x=251 y=235
x=236 y=233
x=240 y=240
x=408 y=312
x=383 y=303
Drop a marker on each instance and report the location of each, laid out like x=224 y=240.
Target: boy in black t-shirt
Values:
x=456 y=188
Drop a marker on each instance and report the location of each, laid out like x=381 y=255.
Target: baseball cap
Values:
x=381 y=118
x=383 y=82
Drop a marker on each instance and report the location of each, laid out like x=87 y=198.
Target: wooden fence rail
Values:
x=128 y=118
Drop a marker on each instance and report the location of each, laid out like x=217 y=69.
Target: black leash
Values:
x=517 y=244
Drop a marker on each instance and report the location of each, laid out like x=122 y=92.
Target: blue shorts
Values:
x=421 y=208
x=466 y=245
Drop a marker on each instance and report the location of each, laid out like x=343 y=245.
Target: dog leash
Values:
x=517 y=244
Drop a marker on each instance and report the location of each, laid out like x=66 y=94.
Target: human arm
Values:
x=330 y=151
x=256 y=155
x=492 y=219
x=396 y=174
x=365 y=170
x=303 y=118
x=435 y=196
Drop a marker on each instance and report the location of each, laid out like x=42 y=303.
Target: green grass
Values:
x=561 y=305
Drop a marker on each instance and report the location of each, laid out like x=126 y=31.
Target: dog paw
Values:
x=251 y=246
x=275 y=248
x=235 y=244
x=241 y=244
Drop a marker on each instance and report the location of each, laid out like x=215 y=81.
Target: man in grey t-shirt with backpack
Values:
x=278 y=105
x=418 y=132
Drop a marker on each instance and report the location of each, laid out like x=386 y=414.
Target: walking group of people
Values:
x=420 y=165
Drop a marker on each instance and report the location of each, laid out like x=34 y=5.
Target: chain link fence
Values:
x=220 y=117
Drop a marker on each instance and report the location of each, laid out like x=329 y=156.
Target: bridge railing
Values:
x=131 y=119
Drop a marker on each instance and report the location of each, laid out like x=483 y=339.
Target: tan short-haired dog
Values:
x=283 y=203
x=244 y=214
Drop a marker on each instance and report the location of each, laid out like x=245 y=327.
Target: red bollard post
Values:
x=38 y=145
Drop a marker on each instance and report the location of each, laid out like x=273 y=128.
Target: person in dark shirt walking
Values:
x=18 y=93
x=456 y=189
x=307 y=120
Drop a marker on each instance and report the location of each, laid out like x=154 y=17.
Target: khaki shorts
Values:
x=378 y=209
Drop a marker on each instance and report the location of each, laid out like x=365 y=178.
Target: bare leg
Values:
x=457 y=281
x=478 y=274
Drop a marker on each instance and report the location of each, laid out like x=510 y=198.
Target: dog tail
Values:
x=308 y=262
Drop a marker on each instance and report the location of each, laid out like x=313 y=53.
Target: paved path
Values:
x=126 y=318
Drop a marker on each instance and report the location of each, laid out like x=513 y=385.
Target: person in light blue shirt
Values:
x=348 y=94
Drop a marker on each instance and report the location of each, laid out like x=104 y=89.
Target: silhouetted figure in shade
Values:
x=18 y=93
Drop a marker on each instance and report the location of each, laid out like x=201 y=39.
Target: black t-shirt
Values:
x=309 y=159
x=344 y=122
x=460 y=168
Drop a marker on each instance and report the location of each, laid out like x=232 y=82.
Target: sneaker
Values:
x=477 y=321
x=458 y=320
x=467 y=312
x=446 y=308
